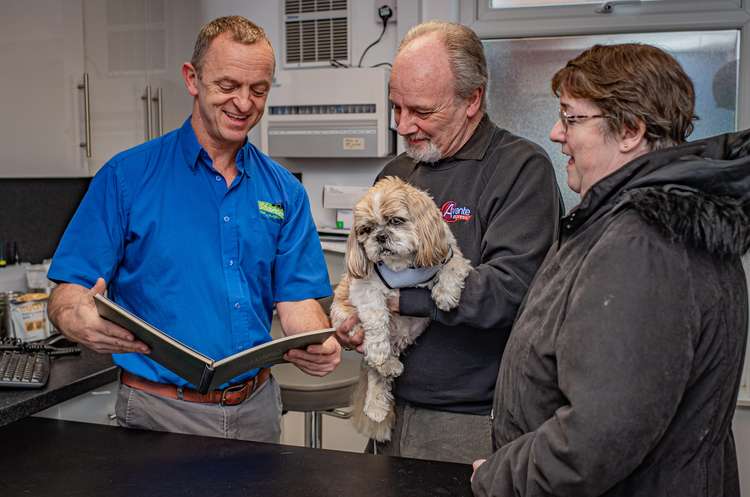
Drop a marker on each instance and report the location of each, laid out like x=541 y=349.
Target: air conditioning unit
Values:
x=315 y=32
x=328 y=113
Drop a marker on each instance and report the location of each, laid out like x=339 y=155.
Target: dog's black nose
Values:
x=381 y=238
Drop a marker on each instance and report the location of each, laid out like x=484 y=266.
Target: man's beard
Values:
x=428 y=153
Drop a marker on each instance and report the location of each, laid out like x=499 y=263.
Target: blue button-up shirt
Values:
x=197 y=259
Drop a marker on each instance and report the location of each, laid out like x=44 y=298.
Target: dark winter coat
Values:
x=622 y=371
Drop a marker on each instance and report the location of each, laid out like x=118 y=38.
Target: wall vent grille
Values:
x=315 y=31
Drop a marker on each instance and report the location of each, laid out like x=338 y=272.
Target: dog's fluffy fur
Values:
x=401 y=226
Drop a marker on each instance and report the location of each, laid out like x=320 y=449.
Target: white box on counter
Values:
x=13 y=278
x=342 y=197
x=344 y=219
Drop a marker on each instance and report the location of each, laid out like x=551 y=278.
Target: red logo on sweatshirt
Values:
x=452 y=212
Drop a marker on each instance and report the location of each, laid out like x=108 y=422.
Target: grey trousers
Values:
x=258 y=418
x=437 y=435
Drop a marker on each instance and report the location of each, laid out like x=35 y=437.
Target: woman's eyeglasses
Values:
x=568 y=120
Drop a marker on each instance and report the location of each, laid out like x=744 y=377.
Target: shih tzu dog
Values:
x=398 y=239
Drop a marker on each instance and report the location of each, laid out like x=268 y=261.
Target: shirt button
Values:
x=226 y=219
x=231 y=262
x=236 y=305
x=218 y=178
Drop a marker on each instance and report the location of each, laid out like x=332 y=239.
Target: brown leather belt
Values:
x=230 y=396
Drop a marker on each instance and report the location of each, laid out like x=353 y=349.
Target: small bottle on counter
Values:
x=9 y=252
x=3 y=261
x=6 y=298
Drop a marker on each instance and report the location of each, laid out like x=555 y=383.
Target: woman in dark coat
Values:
x=621 y=374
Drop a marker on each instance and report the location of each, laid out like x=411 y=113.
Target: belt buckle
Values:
x=234 y=388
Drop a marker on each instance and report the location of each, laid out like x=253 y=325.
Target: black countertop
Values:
x=51 y=458
x=69 y=376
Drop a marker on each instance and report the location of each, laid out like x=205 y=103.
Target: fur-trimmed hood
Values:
x=697 y=193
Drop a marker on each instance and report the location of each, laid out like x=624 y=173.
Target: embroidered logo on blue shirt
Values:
x=274 y=211
x=452 y=212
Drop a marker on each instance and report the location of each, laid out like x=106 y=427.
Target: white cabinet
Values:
x=134 y=53
x=115 y=55
x=96 y=406
x=124 y=46
x=182 y=21
x=41 y=53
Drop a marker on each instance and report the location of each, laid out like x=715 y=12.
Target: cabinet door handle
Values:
x=159 y=126
x=86 y=113
x=147 y=98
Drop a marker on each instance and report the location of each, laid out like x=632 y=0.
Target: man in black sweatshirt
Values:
x=499 y=195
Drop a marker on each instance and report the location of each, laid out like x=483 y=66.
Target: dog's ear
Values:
x=433 y=244
x=356 y=260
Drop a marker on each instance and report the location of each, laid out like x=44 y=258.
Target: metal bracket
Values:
x=339 y=413
x=609 y=7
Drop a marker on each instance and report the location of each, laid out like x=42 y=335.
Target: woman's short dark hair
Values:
x=632 y=82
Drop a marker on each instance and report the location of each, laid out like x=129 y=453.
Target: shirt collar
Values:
x=241 y=157
x=192 y=150
x=478 y=143
x=189 y=143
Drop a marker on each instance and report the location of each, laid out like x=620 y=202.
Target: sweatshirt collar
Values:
x=476 y=147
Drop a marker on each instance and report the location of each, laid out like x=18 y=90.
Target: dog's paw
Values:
x=377 y=352
x=380 y=431
x=446 y=292
x=378 y=400
x=376 y=413
x=391 y=368
x=355 y=329
x=379 y=409
x=445 y=299
x=339 y=314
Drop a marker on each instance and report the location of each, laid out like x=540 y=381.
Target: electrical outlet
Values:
x=385 y=3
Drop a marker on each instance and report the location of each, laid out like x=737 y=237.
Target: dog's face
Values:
x=397 y=224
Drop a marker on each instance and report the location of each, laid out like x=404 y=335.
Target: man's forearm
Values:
x=300 y=316
x=64 y=298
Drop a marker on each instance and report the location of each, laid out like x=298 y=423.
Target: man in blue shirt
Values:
x=201 y=235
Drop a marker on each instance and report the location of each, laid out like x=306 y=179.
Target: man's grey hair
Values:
x=465 y=55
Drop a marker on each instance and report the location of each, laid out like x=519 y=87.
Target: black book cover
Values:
x=203 y=372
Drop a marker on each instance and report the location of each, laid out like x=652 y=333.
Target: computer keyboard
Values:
x=24 y=369
x=27 y=365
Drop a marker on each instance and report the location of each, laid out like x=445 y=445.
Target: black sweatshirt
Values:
x=501 y=199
